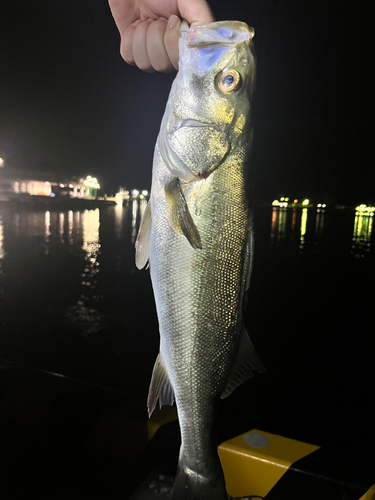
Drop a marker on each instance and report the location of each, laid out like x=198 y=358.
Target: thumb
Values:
x=196 y=12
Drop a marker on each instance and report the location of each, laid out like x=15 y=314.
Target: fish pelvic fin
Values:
x=160 y=387
x=142 y=244
x=178 y=213
x=247 y=362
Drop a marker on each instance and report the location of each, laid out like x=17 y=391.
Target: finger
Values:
x=196 y=12
x=124 y=14
x=126 y=46
x=157 y=53
x=139 y=47
x=171 y=39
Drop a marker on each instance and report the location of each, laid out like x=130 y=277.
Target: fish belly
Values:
x=198 y=295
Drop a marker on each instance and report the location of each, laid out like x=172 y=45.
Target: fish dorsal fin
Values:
x=246 y=364
x=142 y=245
x=178 y=213
x=160 y=387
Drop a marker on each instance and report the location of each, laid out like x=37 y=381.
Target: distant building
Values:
x=20 y=184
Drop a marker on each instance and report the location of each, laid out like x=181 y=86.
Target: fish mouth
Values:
x=189 y=122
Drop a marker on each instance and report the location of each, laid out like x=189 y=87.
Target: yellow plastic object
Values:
x=370 y=494
x=253 y=469
x=160 y=417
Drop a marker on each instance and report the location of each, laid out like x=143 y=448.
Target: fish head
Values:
x=207 y=116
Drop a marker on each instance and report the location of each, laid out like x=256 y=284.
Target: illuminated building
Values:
x=20 y=185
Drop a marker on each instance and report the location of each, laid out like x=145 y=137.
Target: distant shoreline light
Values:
x=365 y=210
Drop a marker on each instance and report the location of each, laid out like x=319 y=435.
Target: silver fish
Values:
x=197 y=238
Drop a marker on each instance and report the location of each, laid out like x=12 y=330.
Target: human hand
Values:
x=150 y=29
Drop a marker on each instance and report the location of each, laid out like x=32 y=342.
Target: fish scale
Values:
x=196 y=235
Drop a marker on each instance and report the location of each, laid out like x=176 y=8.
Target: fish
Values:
x=196 y=237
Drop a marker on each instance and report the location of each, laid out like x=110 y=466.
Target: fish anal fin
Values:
x=160 y=387
x=142 y=244
x=179 y=215
x=246 y=364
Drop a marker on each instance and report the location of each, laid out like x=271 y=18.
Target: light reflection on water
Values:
x=319 y=222
x=70 y=227
x=83 y=315
x=73 y=273
x=313 y=230
x=2 y=253
x=61 y=226
x=362 y=233
x=47 y=230
x=119 y=214
x=303 y=228
x=80 y=235
x=91 y=246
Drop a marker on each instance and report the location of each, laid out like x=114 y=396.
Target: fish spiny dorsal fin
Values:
x=160 y=387
x=178 y=213
x=246 y=364
x=142 y=245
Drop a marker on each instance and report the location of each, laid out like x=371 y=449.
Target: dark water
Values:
x=72 y=302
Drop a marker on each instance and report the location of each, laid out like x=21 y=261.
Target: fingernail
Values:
x=172 y=22
x=163 y=19
x=150 y=20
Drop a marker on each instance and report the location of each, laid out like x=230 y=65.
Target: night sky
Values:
x=70 y=105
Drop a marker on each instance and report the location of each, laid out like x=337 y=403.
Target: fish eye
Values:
x=229 y=81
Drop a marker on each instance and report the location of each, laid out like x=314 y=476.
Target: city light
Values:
x=92 y=185
x=306 y=202
x=1 y=162
x=365 y=210
x=135 y=193
x=282 y=203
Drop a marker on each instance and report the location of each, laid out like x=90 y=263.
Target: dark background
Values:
x=70 y=105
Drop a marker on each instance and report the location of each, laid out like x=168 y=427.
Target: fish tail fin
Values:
x=191 y=485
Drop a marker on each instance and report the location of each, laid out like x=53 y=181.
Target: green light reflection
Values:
x=362 y=232
x=278 y=223
x=303 y=228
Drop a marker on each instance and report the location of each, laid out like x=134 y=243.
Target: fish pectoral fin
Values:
x=179 y=215
x=246 y=364
x=160 y=387
x=142 y=244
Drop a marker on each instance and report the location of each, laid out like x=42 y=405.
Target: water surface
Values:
x=73 y=302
